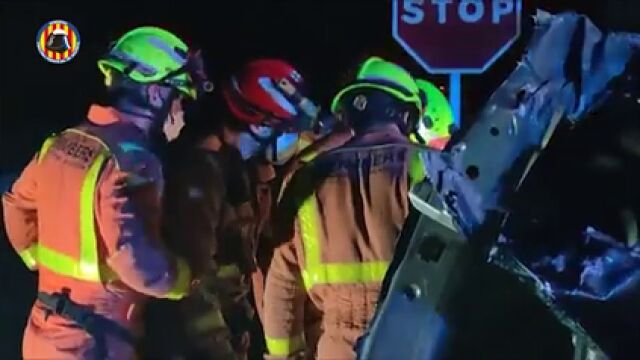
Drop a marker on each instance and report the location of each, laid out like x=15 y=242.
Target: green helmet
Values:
x=435 y=126
x=153 y=55
x=376 y=73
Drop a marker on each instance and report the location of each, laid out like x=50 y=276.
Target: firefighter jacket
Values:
x=85 y=213
x=348 y=207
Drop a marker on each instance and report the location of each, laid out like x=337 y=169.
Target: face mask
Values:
x=258 y=138
x=248 y=145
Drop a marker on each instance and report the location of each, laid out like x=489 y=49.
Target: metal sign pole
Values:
x=455 y=97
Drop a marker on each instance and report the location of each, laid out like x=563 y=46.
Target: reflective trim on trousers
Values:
x=284 y=346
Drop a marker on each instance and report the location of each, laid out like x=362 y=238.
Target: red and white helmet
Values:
x=270 y=92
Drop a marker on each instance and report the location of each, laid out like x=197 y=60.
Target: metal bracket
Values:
x=411 y=316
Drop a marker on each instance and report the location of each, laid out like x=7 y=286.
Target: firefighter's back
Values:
x=71 y=249
x=349 y=222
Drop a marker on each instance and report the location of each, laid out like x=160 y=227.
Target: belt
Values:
x=94 y=324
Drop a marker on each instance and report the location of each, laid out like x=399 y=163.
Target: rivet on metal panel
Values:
x=412 y=292
x=473 y=172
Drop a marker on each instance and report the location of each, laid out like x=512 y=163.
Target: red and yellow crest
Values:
x=58 y=41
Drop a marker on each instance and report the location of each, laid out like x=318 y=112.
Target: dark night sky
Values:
x=324 y=38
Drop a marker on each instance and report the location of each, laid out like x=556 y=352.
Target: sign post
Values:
x=456 y=37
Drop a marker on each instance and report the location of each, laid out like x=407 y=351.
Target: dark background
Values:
x=325 y=39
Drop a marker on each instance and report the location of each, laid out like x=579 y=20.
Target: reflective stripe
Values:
x=88 y=262
x=228 y=271
x=315 y=272
x=28 y=256
x=212 y=320
x=46 y=146
x=68 y=266
x=183 y=281
x=305 y=143
x=309 y=157
x=130 y=146
x=284 y=346
x=87 y=267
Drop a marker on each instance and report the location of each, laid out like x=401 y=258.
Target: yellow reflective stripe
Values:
x=349 y=273
x=29 y=256
x=59 y=263
x=228 y=271
x=309 y=157
x=183 y=281
x=307 y=215
x=46 y=145
x=305 y=143
x=88 y=266
x=212 y=320
x=284 y=346
x=65 y=265
x=88 y=262
x=314 y=271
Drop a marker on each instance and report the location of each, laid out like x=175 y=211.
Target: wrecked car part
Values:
x=478 y=187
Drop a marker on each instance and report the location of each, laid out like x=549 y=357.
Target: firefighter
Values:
x=436 y=126
x=208 y=186
x=308 y=147
x=290 y=126
x=210 y=221
x=85 y=211
x=347 y=207
x=270 y=97
x=278 y=120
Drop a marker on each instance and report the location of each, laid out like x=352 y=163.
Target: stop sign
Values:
x=456 y=36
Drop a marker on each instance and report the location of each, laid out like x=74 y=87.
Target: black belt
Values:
x=96 y=325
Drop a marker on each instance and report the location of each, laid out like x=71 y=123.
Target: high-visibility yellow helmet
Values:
x=434 y=128
x=153 y=55
x=376 y=73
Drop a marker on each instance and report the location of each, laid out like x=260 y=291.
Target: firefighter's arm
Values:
x=21 y=216
x=193 y=207
x=284 y=306
x=128 y=217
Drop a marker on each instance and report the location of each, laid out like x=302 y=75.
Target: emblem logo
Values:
x=360 y=102
x=58 y=41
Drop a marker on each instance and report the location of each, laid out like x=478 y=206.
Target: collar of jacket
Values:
x=110 y=118
x=383 y=134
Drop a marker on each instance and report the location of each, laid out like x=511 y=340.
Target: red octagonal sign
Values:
x=456 y=36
